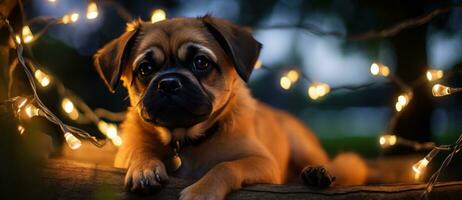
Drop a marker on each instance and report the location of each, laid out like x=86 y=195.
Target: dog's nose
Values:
x=169 y=85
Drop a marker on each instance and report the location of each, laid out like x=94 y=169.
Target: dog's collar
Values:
x=177 y=145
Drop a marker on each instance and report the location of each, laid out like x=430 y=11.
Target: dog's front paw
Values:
x=147 y=176
x=202 y=191
x=316 y=176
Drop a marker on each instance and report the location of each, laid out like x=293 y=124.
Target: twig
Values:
x=373 y=34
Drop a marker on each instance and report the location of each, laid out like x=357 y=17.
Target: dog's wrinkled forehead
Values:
x=176 y=38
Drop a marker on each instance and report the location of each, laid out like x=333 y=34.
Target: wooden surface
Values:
x=65 y=179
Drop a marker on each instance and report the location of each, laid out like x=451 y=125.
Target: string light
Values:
x=434 y=74
x=293 y=75
x=70 y=18
x=42 y=78
x=439 y=90
x=403 y=101
x=21 y=129
x=258 y=64
x=117 y=141
x=21 y=102
x=318 y=90
x=111 y=132
x=285 y=82
x=420 y=166
x=27 y=35
x=388 y=140
x=72 y=141
x=18 y=39
x=69 y=108
x=92 y=11
x=31 y=111
x=158 y=15
x=67 y=105
x=378 y=69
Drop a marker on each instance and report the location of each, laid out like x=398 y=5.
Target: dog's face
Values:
x=179 y=72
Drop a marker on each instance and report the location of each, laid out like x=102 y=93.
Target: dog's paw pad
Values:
x=316 y=176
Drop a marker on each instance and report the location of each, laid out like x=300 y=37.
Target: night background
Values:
x=295 y=34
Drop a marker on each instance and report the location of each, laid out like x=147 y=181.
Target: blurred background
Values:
x=344 y=120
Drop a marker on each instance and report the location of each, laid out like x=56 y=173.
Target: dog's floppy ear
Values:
x=237 y=42
x=111 y=59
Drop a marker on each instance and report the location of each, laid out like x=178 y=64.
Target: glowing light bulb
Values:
x=258 y=64
x=52 y=1
x=31 y=111
x=293 y=75
x=285 y=83
x=67 y=105
x=403 y=101
x=388 y=140
x=318 y=90
x=18 y=39
x=70 y=18
x=379 y=70
x=21 y=102
x=434 y=74
x=158 y=15
x=27 y=35
x=117 y=141
x=72 y=141
x=420 y=166
x=439 y=90
x=42 y=78
x=111 y=131
x=21 y=129
x=92 y=11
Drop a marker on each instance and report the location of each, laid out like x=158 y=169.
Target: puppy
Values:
x=192 y=115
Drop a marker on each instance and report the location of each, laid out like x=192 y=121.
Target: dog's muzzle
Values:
x=173 y=100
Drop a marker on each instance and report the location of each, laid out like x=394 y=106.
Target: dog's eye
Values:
x=201 y=62
x=145 y=69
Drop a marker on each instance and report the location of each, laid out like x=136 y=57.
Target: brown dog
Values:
x=193 y=116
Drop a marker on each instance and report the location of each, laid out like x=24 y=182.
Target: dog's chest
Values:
x=197 y=160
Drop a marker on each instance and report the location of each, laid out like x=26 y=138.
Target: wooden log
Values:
x=64 y=179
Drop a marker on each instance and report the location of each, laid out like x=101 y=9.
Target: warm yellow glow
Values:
x=31 y=111
x=318 y=90
x=403 y=101
x=102 y=126
x=258 y=64
x=158 y=15
x=117 y=141
x=434 y=74
x=108 y=129
x=70 y=18
x=42 y=78
x=399 y=107
x=285 y=83
x=67 y=105
x=111 y=131
x=27 y=35
x=22 y=102
x=21 y=129
x=388 y=140
x=92 y=11
x=293 y=75
x=439 y=90
x=74 y=115
x=72 y=141
x=52 y=1
x=18 y=39
x=379 y=70
x=420 y=166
